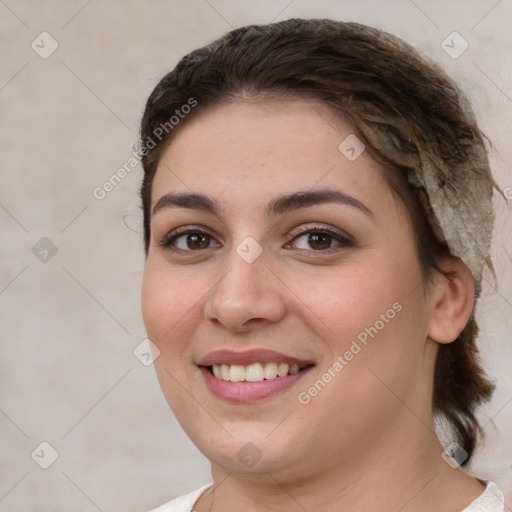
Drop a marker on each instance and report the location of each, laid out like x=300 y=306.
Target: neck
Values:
x=408 y=475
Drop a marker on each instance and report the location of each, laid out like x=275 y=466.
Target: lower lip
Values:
x=249 y=391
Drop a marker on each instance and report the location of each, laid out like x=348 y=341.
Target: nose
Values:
x=247 y=296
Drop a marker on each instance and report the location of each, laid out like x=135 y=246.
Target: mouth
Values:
x=251 y=375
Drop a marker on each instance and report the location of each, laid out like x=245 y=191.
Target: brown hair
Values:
x=365 y=74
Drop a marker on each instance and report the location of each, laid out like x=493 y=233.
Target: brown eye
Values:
x=189 y=241
x=198 y=241
x=319 y=241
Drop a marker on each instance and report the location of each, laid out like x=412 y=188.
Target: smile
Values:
x=252 y=375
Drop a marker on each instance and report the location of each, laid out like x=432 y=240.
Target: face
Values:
x=273 y=250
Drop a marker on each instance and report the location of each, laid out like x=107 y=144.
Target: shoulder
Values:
x=183 y=503
x=491 y=500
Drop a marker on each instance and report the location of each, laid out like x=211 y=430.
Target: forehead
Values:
x=254 y=148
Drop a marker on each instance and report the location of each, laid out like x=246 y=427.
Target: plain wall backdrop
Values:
x=74 y=77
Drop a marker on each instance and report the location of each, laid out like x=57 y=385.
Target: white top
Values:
x=491 y=500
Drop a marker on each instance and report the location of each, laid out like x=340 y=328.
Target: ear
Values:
x=452 y=300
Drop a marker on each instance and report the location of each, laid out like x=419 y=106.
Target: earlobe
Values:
x=452 y=301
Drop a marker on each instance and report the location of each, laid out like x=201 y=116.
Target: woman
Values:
x=317 y=215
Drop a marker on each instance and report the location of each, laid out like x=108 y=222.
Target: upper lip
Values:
x=249 y=357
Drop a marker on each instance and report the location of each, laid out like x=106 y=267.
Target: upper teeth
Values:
x=253 y=372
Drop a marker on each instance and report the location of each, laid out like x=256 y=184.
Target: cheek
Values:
x=348 y=300
x=168 y=302
x=170 y=311
x=376 y=345
x=372 y=312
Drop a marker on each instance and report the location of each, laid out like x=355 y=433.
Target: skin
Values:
x=366 y=441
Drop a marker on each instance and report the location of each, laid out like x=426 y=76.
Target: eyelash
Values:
x=168 y=240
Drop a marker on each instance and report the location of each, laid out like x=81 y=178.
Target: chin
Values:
x=246 y=454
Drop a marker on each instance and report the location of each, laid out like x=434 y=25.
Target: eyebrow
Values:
x=279 y=205
x=191 y=201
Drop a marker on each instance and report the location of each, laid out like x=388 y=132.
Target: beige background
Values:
x=69 y=325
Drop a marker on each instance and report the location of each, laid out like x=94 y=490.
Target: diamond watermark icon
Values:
x=248 y=249
x=44 y=250
x=249 y=455
x=44 y=455
x=454 y=455
x=44 y=45
x=454 y=45
x=351 y=147
x=146 y=352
